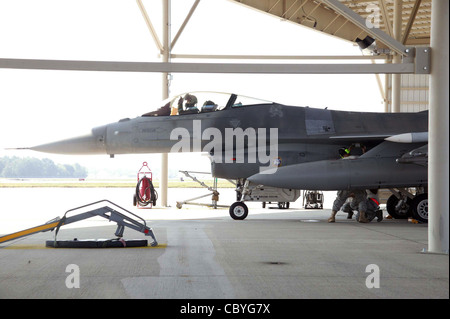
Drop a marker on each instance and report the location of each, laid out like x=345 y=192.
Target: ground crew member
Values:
x=359 y=201
x=355 y=149
x=344 y=152
x=374 y=203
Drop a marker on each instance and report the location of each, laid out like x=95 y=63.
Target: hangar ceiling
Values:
x=315 y=14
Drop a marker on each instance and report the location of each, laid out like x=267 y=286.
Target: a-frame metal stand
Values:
x=122 y=219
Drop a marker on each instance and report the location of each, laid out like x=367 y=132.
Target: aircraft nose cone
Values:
x=93 y=143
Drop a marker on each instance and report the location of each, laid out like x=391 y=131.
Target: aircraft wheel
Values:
x=419 y=207
x=283 y=205
x=238 y=211
x=402 y=212
x=134 y=200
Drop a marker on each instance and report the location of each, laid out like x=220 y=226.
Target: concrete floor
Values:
x=272 y=254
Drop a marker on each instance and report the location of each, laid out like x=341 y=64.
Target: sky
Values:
x=40 y=106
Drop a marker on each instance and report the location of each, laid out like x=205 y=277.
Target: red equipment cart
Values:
x=145 y=195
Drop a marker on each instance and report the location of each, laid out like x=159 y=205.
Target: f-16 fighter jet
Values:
x=273 y=151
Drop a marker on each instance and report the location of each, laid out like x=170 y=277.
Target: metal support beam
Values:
x=387 y=89
x=149 y=25
x=237 y=68
x=185 y=22
x=277 y=57
x=412 y=17
x=387 y=21
x=163 y=188
x=396 y=78
x=438 y=169
x=380 y=86
x=359 y=21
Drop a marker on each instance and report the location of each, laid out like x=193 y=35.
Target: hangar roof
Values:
x=315 y=14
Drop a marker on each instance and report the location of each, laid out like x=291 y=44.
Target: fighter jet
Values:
x=272 y=151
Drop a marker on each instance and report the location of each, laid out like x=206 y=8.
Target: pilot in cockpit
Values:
x=190 y=105
x=209 y=106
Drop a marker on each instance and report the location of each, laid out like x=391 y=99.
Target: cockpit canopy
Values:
x=202 y=102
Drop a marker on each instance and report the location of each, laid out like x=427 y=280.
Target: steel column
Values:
x=397 y=78
x=438 y=169
x=163 y=186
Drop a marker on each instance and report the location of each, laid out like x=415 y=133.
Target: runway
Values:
x=204 y=254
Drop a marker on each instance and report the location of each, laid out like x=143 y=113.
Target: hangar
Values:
x=412 y=39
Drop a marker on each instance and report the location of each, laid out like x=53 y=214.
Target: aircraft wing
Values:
x=408 y=148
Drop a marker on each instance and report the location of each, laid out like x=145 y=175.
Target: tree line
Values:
x=27 y=167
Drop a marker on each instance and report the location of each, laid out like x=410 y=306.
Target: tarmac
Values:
x=204 y=254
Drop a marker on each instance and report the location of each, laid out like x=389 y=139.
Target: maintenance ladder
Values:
x=107 y=212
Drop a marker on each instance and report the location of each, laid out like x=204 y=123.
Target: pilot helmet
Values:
x=190 y=99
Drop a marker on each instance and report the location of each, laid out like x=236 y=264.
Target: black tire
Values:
x=403 y=213
x=419 y=207
x=283 y=205
x=238 y=211
x=263 y=204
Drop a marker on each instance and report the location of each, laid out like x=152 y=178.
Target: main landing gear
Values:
x=404 y=204
x=246 y=191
